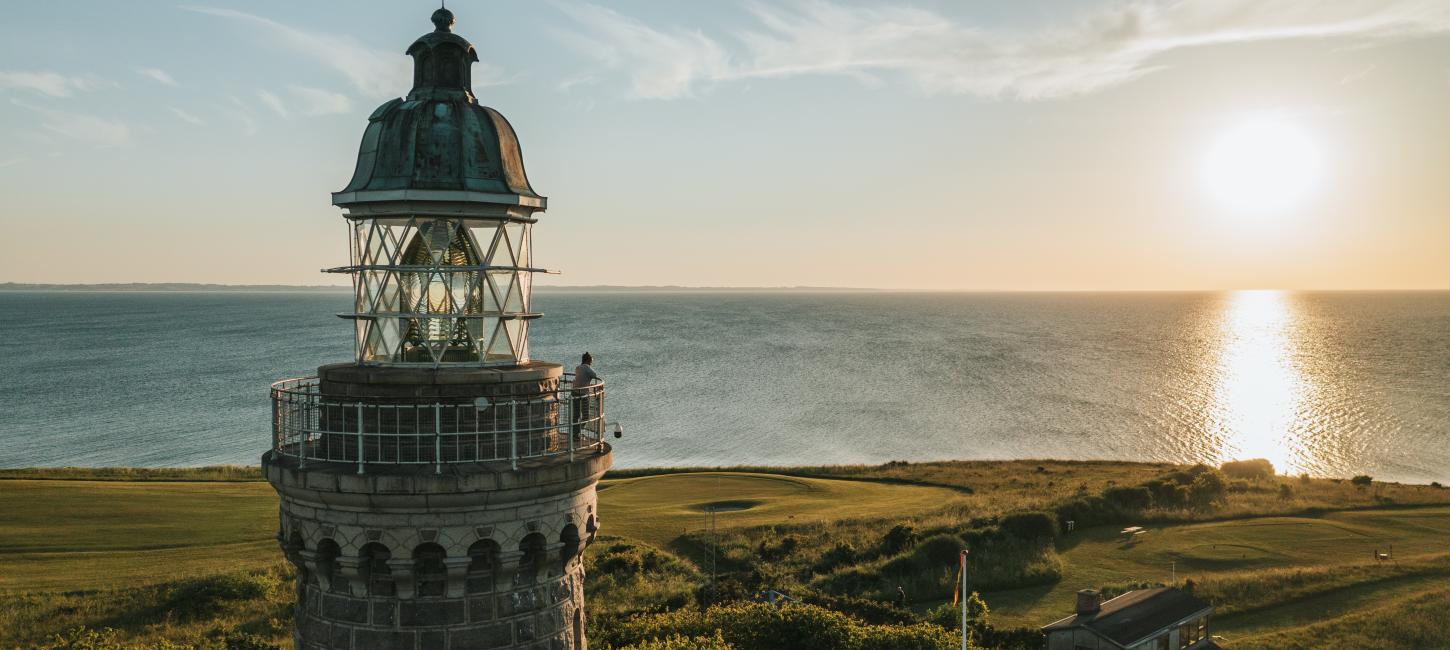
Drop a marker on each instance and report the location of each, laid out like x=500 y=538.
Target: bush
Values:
x=1254 y=469
x=1207 y=488
x=871 y=611
x=1030 y=525
x=677 y=642
x=898 y=539
x=835 y=557
x=949 y=616
x=1132 y=499
x=1363 y=480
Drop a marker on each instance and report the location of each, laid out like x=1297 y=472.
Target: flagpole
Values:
x=963 y=587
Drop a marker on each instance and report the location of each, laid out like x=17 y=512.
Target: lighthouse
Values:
x=438 y=490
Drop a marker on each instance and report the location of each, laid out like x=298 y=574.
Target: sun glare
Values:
x=1264 y=164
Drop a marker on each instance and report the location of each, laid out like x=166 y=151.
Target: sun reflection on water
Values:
x=1259 y=391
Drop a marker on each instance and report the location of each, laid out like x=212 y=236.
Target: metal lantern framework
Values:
x=441 y=289
x=440 y=210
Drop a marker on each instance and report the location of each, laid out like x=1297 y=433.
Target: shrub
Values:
x=1254 y=469
x=1286 y=491
x=677 y=642
x=898 y=539
x=1132 y=499
x=778 y=551
x=1363 y=480
x=870 y=611
x=835 y=557
x=1030 y=525
x=1207 y=488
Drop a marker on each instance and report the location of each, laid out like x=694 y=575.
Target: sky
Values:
x=935 y=145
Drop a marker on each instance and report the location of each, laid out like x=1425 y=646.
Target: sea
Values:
x=1330 y=384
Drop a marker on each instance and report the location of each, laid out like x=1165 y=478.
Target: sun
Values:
x=1263 y=164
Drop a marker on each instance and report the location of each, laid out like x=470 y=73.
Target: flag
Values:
x=961 y=569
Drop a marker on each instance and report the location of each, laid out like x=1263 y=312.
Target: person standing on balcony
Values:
x=584 y=376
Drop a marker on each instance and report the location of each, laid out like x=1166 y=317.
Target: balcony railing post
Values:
x=437 y=438
x=359 y=438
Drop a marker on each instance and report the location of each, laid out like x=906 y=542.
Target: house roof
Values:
x=1133 y=616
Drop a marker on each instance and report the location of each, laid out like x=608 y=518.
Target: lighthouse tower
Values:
x=438 y=490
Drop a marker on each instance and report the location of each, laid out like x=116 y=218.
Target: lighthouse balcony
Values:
x=312 y=427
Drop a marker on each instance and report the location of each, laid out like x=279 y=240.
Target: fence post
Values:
x=437 y=438
x=359 y=438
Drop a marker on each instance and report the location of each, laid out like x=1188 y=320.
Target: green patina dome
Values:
x=439 y=141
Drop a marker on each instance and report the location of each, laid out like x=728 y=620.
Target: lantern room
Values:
x=439 y=214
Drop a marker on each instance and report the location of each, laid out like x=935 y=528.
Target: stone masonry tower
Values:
x=438 y=491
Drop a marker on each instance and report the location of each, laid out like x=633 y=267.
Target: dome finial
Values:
x=443 y=19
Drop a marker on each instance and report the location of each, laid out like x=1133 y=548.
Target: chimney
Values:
x=1089 y=602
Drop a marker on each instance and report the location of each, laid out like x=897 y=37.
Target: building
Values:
x=1146 y=619
x=438 y=490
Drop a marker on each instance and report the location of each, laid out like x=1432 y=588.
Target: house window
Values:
x=1202 y=628
x=1162 y=643
x=1185 y=635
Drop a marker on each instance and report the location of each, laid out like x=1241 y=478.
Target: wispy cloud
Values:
x=11 y=162
x=158 y=75
x=186 y=117
x=273 y=102
x=662 y=64
x=242 y=113
x=46 y=83
x=373 y=72
x=938 y=54
x=316 y=101
x=81 y=127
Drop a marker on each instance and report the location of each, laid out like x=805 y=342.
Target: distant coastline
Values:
x=280 y=288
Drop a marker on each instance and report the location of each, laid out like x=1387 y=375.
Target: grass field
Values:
x=81 y=548
x=69 y=535
x=659 y=509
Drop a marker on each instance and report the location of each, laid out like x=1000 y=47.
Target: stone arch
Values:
x=533 y=550
x=570 y=545
x=373 y=569
x=430 y=573
x=327 y=553
x=483 y=566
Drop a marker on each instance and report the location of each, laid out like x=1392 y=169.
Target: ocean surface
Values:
x=1328 y=383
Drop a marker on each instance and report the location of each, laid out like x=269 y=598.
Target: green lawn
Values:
x=67 y=535
x=658 y=509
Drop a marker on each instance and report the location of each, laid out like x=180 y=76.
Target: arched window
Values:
x=534 y=556
x=569 y=537
x=429 y=572
x=327 y=553
x=482 y=566
x=374 y=569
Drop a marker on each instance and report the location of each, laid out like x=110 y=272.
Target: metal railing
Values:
x=312 y=427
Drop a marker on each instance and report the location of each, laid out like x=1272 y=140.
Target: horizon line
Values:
x=207 y=286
